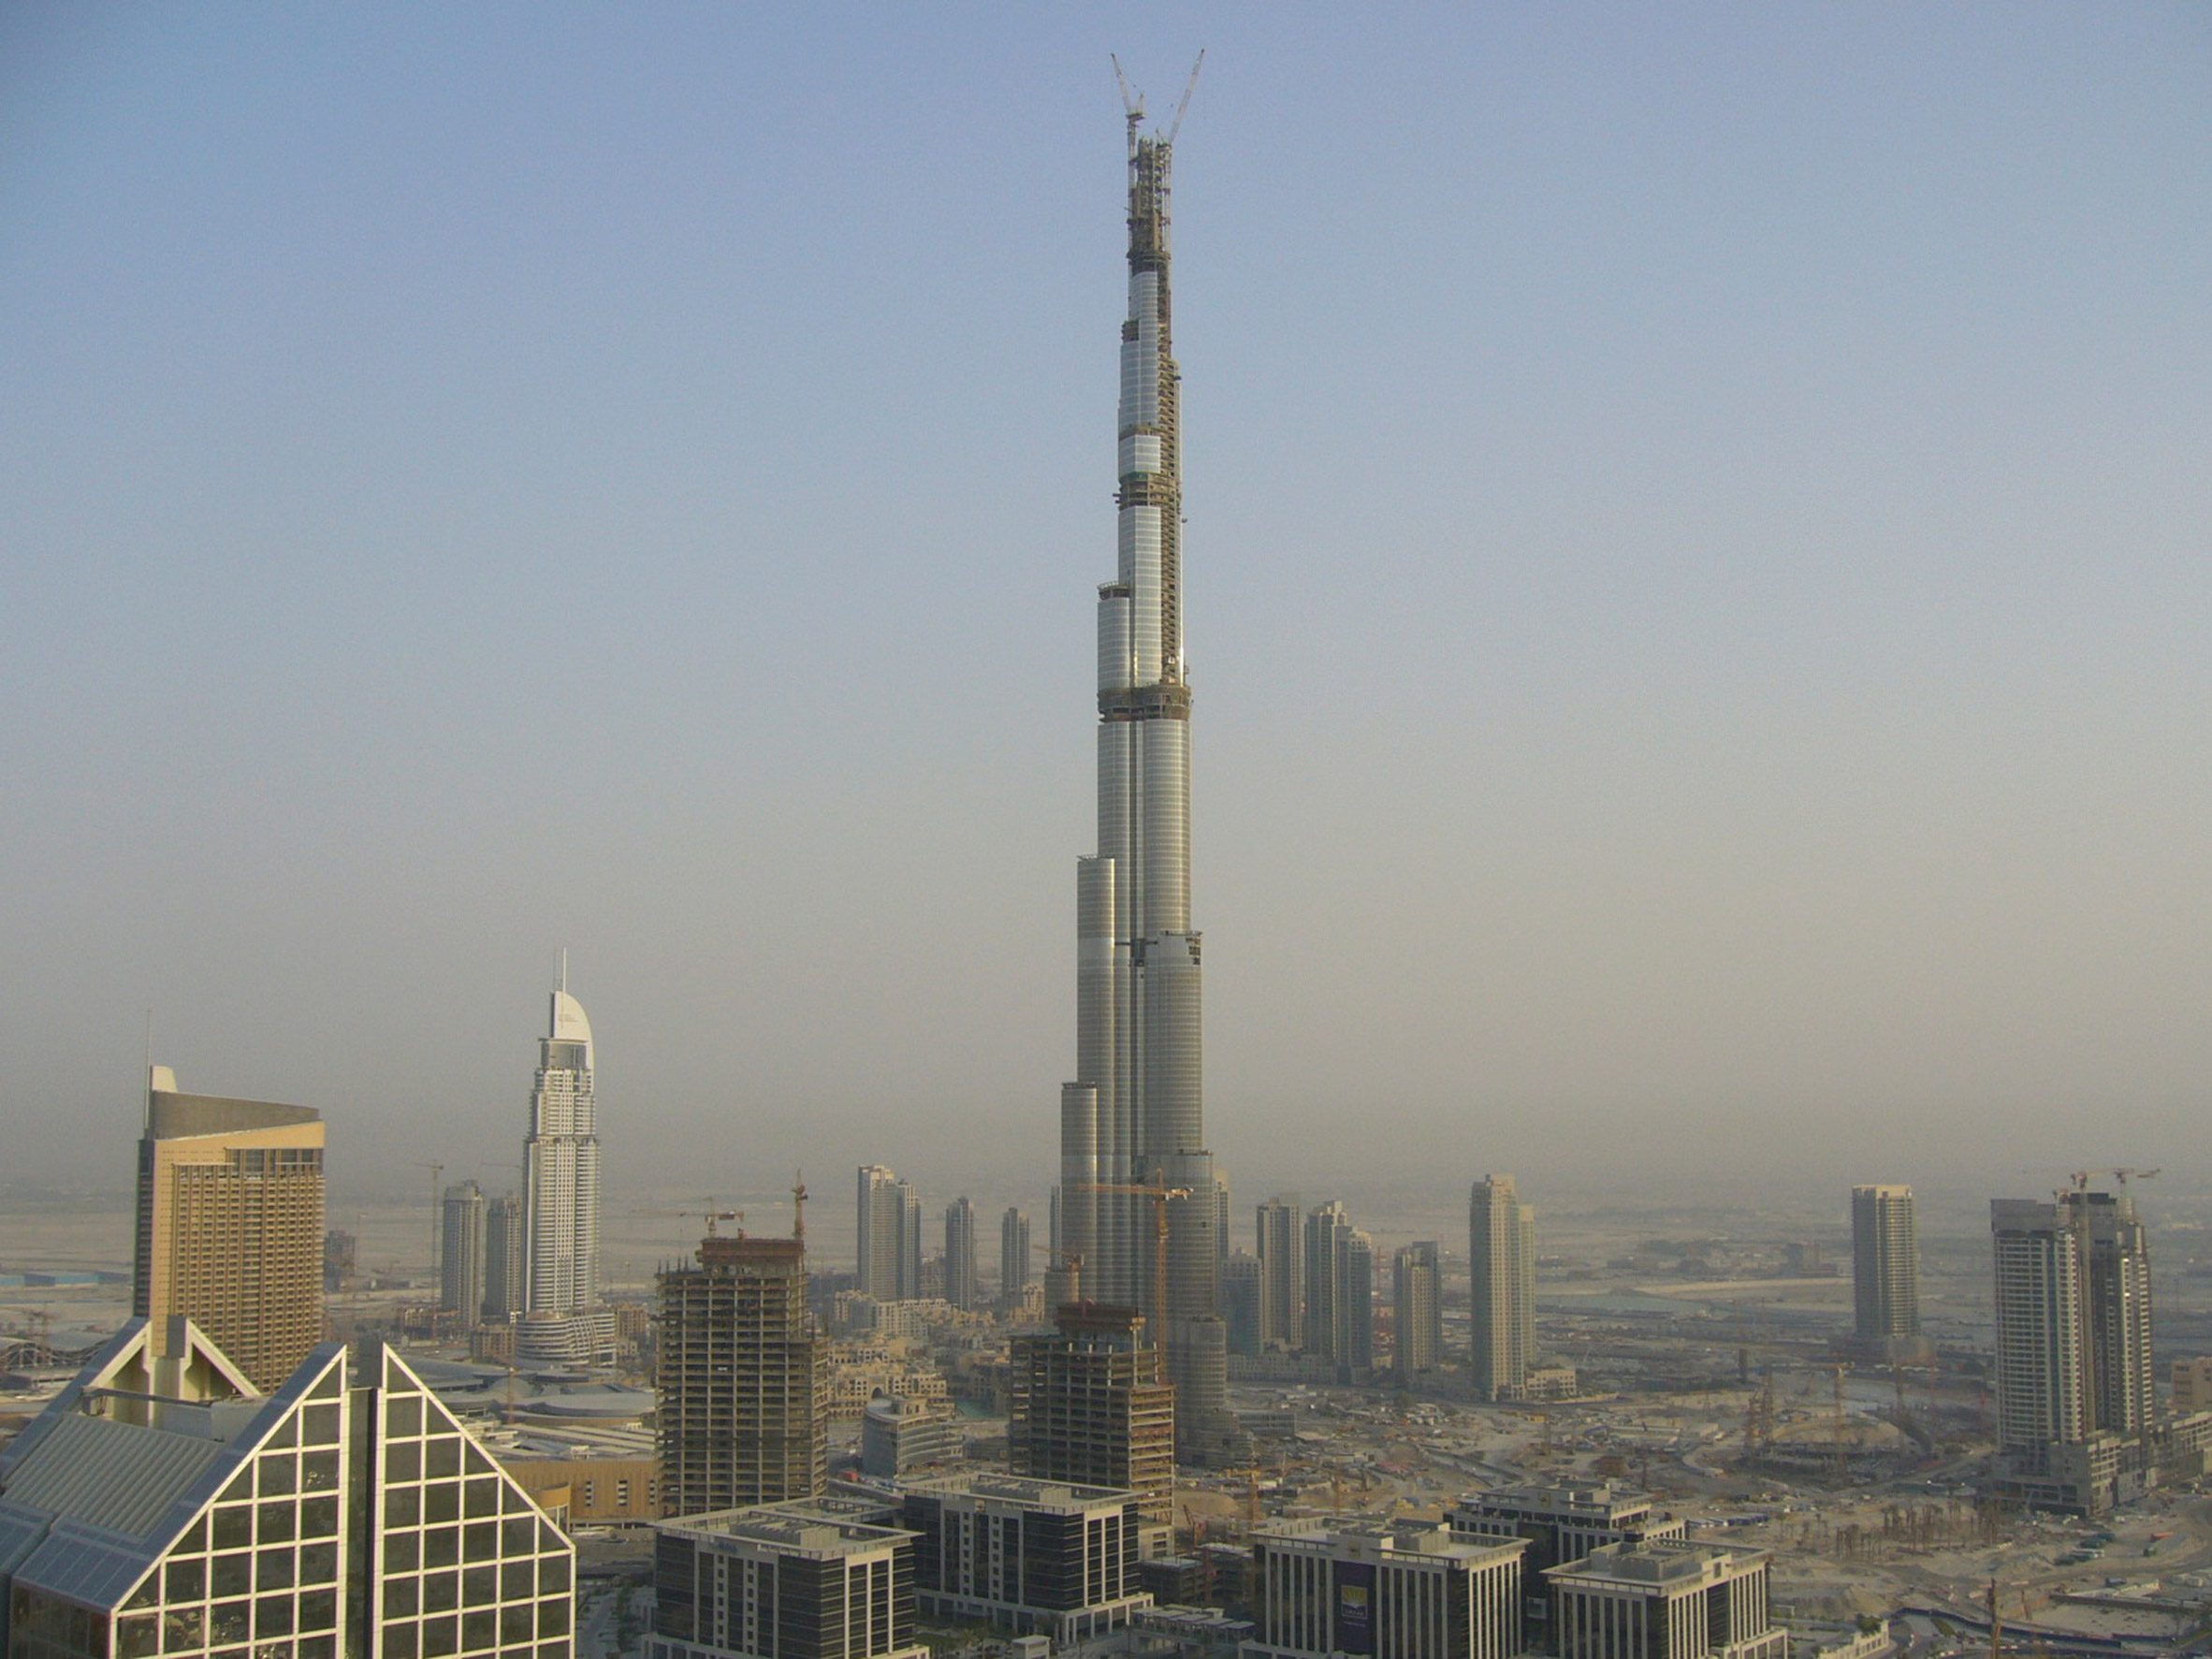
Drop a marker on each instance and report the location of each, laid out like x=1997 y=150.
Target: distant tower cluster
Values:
x=230 y=1226
x=1886 y=1270
x=564 y=1317
x=889 y=1236
x=1502 y=1267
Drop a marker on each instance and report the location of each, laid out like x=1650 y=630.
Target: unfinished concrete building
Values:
x=744 y=1379
x=1092 y=1408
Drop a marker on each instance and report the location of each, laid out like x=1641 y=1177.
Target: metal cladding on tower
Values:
x=1134 y=1117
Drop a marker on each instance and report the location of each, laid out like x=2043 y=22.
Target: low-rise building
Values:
x=1393 y=1591
x=1562 y=1524
x=818 y=1580
x=1664 y=1599
x=1028 y=1557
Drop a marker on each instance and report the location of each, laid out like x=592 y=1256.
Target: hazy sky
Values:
x=1697 y=579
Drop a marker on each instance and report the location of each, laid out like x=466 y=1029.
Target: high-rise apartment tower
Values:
x=1502 y=1265
x=1013 y=1257
x=460 y=1252
x=1134 y=1116
x=230 y=1226
x=1281 y=1229
x=560 y=1290
x=503 y=1258
x=962 y=1288
x=890 y=1235
x=1418 y=1305
x=1328 y=1231
x=1885 y=1266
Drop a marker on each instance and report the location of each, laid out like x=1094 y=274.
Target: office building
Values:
x=1561 y=1524
x=1417 y=1308
x=1027 y=1557
x=1670 y=1600
x=1091 y=1407
x=1281 y=1239
x=503 y=1258
x=162 y=1504
x=230 y=1226
x=808 y=1581
x=962 y=1289
x=1014 y=1274
x=1404 y=1590
x=1239 y=1304
x=1886 y=1270
x=890 y=1235
x=743 y=1378
x=462 y=1251
x=1502 y=1268
x=1133 y=1117
x=564 y=1317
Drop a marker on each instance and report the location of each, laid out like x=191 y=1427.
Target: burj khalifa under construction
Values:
x=1138 y=1190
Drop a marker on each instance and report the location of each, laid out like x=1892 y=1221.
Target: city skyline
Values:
x=1776 y=557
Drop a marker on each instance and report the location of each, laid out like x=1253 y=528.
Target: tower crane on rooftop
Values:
x=1132 y=101
x=1159 y=1194
x=2081 y=1177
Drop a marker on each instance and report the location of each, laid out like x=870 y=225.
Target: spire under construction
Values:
x=1138 y=1183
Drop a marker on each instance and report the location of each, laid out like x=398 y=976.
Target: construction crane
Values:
x=2081 y=1177
x=798 y=1206
x=1159 y=1196
x=711 y=1217
x=1132 y=101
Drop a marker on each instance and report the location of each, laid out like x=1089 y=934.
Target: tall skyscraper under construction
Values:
x=2074 y=1352
x=1134 y=1116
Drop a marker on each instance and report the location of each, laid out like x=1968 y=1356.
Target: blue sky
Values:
x=1697 y=576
